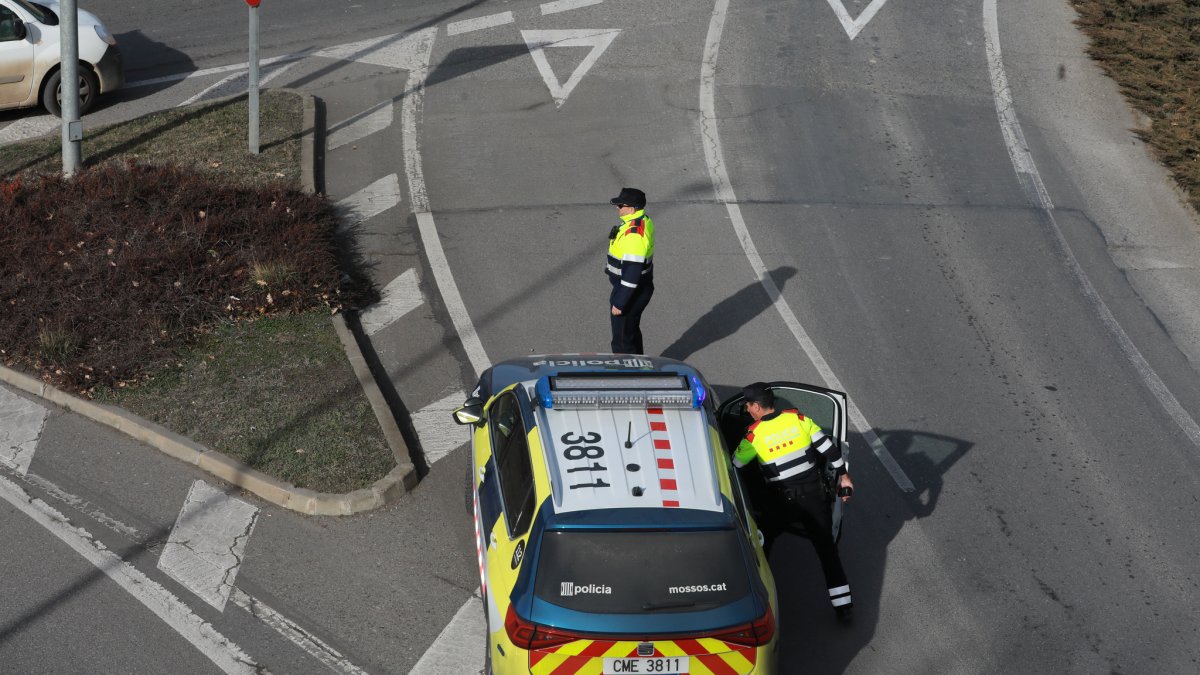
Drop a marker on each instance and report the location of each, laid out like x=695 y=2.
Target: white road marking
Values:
x=21 y=424
x=566 y=5
x=456 y=651
x=376 y=118
x=715 y=158
x=439 y=435
x=273 y=619
x=410 y=112
x=371 y=201
x=400 y=297
x=230 y=85
x=310 y=643
x=82 y=506
x=205 y=548
x=479 y=23
x=853 y=26
x=219 y=649
x=539 y=40
x=1031 y=181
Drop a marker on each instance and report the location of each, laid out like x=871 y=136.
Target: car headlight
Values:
x=104 y=35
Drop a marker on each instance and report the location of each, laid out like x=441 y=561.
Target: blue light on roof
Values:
x=699 y=393
x=542 y=390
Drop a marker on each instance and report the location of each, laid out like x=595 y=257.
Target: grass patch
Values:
x=277 y=394
x=190 y=282
x=208 y=136
x=1151 y=49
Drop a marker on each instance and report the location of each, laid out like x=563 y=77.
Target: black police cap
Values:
x=630 y=197
x=759 y=393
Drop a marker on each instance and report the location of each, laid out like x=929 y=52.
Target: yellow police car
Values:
x=612 y=532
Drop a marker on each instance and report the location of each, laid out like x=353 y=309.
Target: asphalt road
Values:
x=988 y=324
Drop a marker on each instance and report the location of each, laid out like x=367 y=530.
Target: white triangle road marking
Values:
x=438 y=433
x=851 y=25
x=539 y=40
x=207 y=544
x=400 y=297
x=21 y=425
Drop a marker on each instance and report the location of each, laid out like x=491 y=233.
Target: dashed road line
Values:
x=371 y=201
x=438 y=436
x=358 y=127
x=1035 y=189
x=479 y=23
x=715 y=159
x=566 y=5
x=222 y=651
x=21 y=424
x=310 y=643
x=205 y=548
x=400 y=297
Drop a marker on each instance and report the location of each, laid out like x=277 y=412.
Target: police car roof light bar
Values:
x=595 y=390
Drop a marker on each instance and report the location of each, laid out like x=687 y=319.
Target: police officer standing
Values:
x=792 y=449
x=630 y=270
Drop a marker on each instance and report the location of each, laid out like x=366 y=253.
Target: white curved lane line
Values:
x=410 y=113
x=219 y=649
x=715 y=158
x=1031 y=181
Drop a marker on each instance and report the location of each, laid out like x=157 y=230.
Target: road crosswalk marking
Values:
x=370 y=201
x=479 y=23
x=458 y=649
x=400 y=297
x=438 y=433
x=358 y=127
x=205 y=548
x=21 y=425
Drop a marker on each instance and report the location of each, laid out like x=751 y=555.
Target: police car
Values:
x=612 y=532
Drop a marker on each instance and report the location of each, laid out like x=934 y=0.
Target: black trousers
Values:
x=627 y=328
x=805 y=504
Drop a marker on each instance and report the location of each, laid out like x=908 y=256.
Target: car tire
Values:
x=89 y=91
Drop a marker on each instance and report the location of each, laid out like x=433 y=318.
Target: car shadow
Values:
x=150 y=67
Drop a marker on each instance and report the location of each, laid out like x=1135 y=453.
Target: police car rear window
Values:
x=642 y=572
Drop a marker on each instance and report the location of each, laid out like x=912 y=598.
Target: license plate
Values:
x=658 y=665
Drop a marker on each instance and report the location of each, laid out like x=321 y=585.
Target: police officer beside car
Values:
x=792 y=450
x=630 y=269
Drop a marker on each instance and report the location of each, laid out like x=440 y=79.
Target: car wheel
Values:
x=89 y=90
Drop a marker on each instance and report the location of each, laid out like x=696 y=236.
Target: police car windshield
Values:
x=641 y=572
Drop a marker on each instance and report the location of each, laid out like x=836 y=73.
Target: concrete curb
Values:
x=398 y=481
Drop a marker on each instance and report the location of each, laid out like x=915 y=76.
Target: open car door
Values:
x=826 y=407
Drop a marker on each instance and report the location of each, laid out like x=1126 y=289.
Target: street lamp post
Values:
x=253 y=59
x=72 y=127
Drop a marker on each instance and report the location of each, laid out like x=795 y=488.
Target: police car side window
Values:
x=510 y=446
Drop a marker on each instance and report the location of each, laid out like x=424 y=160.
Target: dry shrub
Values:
x=1151 y=48
x=105 y=275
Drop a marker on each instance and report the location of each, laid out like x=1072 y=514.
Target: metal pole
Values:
x=253 y=80
x=72 y=127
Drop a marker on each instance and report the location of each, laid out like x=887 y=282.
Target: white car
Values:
x=29 y=57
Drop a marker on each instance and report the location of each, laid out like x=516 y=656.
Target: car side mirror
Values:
x=470 y=412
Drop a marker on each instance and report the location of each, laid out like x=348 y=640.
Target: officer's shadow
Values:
x=811 y=640
x=727 y=316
